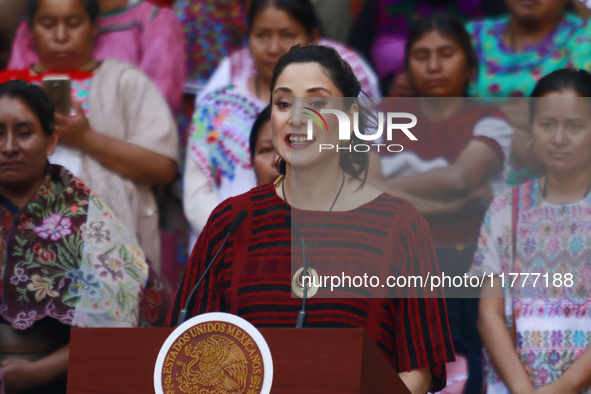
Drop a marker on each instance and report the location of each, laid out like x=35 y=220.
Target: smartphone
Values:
x=57 y=88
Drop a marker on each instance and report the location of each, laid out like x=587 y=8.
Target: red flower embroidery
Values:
x=26 y=223
x=83 y=187
x=149 y=305
x=44 y=254
x=46 y=190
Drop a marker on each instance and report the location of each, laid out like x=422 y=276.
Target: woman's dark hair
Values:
x=91 y=6
x=262 y=119
x=340 y=73
x=447 y=25
x=301 y=10
x=559 y=81
x=34 y=98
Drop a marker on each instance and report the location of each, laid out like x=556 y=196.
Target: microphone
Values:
x=295 y=231
x=231 y=230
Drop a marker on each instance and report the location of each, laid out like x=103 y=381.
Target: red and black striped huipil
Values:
x=412 y=332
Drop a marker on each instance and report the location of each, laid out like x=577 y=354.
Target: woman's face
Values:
x=265 y=157
x=289 y=122
x=438 y=67
x=272 y=33
x=63 y=34
x=561 y=132
x=23 y=144
x=536 y=10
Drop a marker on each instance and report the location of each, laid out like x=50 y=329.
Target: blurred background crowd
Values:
x=175 y=94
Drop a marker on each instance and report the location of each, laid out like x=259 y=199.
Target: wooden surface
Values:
x=311 y=361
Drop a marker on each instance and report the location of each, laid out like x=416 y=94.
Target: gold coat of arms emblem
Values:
x=213 y=357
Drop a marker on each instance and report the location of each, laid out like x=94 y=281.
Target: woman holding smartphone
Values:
x=121 y=140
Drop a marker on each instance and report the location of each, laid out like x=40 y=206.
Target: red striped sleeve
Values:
x=421 y=332
x=209 y=297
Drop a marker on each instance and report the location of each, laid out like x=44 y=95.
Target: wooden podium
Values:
x=310 y=361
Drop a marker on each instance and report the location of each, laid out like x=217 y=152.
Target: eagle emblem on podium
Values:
x=214 y=353
x=217 y=366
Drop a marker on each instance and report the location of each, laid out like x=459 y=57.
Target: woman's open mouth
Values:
x=297 y=141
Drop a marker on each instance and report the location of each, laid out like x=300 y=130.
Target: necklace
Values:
x=296 y=283
x=546 y=188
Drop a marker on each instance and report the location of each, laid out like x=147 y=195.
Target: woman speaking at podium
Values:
x=341 y=220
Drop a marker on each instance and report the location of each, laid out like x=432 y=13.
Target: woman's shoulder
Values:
x=140 y=14
x=575 y=20
x=385 y=205
x=231 y=91
x=258 y=196
x=525 y=196
x=113 y=69
x=487 y=22
x=11 y=75
x=231 y=100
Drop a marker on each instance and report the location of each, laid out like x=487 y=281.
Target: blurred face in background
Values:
x=536 y=10
x=23 y=145
x=272 y=33
x=561 y=132
x=438 y=66
x=63 y=34
x=265 y=157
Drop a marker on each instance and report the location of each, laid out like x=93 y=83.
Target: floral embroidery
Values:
x=553 y=357
x=42 y=286
x=82 y=266
x=109 y=267
x=83 y=283
x=220 y=133
x=45 y=255
x=556 y=338
x=149 y=304
x=19 y=276
x=25 y=223
x=550 y=240
x=579 y=338
x=96 y=232
x=542 y=375
x=55 y=227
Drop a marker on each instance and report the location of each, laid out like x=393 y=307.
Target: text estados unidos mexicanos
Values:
x=433 y=282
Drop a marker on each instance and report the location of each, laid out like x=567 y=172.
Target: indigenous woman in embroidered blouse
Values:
x=65 y=259
x=243 y=66
x=542 y=227
x=142 y=34
x=451 y=173
x=121 y=140
x=515 y=51
x=253 y=275
x=218 y=163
